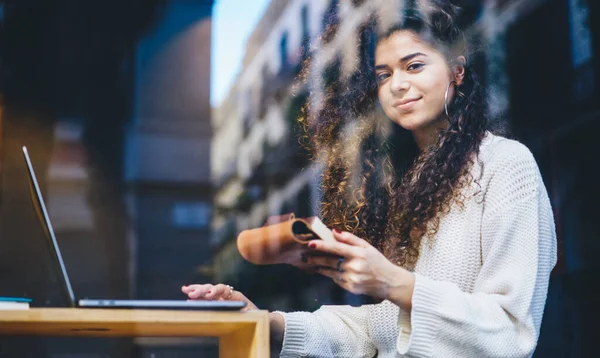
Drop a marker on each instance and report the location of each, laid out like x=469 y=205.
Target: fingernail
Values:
x=312 y=245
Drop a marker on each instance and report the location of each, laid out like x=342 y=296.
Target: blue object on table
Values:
x=14 y=299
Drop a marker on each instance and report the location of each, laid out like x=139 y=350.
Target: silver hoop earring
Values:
x=446 y=97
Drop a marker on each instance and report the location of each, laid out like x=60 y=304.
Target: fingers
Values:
x=219 y=291
x=334 y=248
x=195 y=292
x=189 y=288
x=332 y=262
x=338 y=277
x=349 y=238
x=208 y=292
x=345 y=246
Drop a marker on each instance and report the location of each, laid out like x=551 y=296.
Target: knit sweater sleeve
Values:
x=330 y=331
x=502 y=316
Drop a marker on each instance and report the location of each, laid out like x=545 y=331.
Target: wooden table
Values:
x=241 y=334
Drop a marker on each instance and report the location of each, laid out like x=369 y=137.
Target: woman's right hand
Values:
x=217 y=292
x=225 y=292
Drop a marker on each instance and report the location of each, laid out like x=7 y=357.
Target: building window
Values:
x=247 y=109
x=361 y=80
x=331 y=21
x=332 y=73
x=581 y=49
x=368 y=39
x=265 y=92
x=305 y=32
x=304 y=203
x=191 y=215
x=283 y=50
x=540 y=34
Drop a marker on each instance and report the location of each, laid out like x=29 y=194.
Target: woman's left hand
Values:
x=362 y=269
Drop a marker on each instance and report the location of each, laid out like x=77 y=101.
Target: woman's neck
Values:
x=428 y=136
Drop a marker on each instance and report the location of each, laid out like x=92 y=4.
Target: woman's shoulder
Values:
x=510 y=173
x=499 y=151
x=508 y=163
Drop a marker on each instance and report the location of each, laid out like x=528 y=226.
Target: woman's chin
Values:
x=409 y=125
x=415 y=123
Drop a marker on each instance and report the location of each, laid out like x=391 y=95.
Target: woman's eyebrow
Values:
x=411 y=56
x=403 y=59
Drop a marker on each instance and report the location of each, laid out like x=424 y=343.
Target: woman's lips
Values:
x=405 y=104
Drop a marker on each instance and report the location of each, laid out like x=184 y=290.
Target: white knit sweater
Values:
x=480 y=286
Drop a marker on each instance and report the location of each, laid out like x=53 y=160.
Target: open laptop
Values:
x=44 y=218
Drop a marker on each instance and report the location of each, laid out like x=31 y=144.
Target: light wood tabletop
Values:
x=241 y=334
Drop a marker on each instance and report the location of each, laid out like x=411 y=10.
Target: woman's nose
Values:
x=399 y=83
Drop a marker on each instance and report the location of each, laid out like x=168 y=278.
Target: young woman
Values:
x=452 y=228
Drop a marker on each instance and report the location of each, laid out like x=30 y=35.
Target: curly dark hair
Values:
x=375 y=182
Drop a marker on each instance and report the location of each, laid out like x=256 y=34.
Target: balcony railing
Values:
x=229 y=171
x=225 y=233
x=252 y=194
x=276 y=87
x=284 y=161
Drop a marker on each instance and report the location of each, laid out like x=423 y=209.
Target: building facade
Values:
x=550 y=101
x=167 y=152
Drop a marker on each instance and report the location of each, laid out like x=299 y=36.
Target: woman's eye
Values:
x=415 y=66
x=382 y=76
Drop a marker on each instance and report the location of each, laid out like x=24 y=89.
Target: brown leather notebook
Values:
x=282 y=240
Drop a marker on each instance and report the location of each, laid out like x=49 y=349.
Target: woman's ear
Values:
x=459 y=69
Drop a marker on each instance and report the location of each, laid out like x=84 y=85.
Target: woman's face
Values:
x=412 y=78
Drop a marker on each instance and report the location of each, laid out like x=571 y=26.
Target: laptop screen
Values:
x=44 y=219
